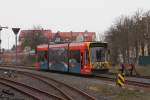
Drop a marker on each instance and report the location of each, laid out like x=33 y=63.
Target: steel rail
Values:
x=42 y=80
x=140 y=84
x=129 y=82
x=19 y=90
x=33 y=68
x=84 y=94
x=81 y=93
x=4 y=80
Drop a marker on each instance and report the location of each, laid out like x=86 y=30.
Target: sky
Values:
x=64 y=15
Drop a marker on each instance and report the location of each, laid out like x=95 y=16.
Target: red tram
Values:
x=80 y=58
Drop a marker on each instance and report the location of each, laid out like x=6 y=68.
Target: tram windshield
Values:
x=98 y=54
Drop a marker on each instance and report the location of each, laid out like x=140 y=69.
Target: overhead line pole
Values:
x=1 y=28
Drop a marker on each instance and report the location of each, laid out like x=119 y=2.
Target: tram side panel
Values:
x=42 y=63
x=74 y=61
x=58 y=59
x=73 y=58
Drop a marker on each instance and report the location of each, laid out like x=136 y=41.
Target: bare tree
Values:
x=126 y=36
x=101 y=37
x=34 y=37
x=147 y=29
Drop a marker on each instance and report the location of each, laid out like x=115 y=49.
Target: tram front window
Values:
x=97 y=54
x=42 y=56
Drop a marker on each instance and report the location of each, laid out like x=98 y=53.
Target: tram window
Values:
x=41 y=56
x=81 y=60
x=97 y=54
x=75 y=55
x=74 y=59
x=100 y=55
x=86 y=56
x=58 y=55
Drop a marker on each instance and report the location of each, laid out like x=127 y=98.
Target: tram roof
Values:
x=75 y=45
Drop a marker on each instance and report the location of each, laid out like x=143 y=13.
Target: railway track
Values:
x=127 y=81
x=34 y=93
x=18 y=89
x=70 y=92
x=67 y=92
x=33 y=68
x=112 y=77
x=134 y=76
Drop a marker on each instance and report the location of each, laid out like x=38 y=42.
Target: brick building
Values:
x=61 y=36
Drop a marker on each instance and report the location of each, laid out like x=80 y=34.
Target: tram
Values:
x=79 y=58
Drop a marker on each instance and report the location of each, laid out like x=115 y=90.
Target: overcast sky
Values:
x=64 y=15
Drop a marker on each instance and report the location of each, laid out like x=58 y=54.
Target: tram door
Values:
x=42 y=59
x=74 y=61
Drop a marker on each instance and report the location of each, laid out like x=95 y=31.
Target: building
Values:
x=74 y=36
x=60 y=36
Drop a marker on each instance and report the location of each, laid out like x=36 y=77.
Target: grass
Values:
x=131 y=95
x=117 y=93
